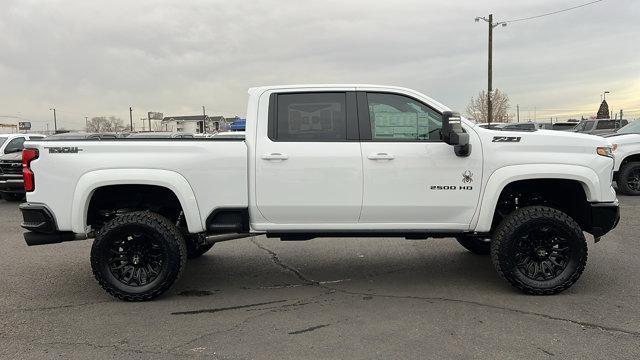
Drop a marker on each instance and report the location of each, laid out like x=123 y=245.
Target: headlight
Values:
x=605 y=151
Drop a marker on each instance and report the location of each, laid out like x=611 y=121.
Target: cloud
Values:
x=99 y=58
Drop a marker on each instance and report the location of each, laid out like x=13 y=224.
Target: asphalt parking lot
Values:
x=324 y=298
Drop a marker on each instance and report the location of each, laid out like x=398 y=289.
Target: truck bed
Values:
x=67 y=171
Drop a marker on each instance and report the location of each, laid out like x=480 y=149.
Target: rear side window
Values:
x=310 y=117
x=605 y=124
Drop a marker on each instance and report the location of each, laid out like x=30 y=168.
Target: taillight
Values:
x=28 y=155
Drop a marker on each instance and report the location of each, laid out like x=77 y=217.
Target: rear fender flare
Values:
x=89 y=182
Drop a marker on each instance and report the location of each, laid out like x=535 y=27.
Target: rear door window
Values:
x=310 y=117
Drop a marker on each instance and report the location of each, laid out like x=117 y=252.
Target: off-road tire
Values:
x=505 y=240
x=170 y=240
x=623 y=175
x=195 y=246
x=12 y=197
x=476 y=245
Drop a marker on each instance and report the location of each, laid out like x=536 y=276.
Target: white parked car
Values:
x=326 y=161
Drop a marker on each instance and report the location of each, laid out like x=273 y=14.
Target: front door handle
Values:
x=275 y=156
x=381 y=156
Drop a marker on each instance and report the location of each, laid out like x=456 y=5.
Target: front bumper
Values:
x=39 y=220
x=604 y=218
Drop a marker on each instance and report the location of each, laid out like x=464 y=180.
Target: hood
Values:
x=542 y=141
x=16 y=156
x=624 y=138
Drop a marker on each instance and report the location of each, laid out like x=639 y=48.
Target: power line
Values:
x=554 y=12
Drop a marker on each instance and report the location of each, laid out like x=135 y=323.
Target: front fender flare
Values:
x=502 y=177
x=89 y=182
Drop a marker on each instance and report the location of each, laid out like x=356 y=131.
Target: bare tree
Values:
x=103 y=124
x=477 y=108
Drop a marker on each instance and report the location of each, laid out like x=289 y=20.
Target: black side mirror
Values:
x=453 y=134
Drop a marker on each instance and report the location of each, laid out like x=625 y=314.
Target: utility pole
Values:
x=204 y=120
x=490 y=63
x=620 y=114
x=131 y=118
x=55 y=121
x=518 y=112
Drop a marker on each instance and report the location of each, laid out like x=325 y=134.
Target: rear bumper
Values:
x=14 y=186
x=42 y=227
x=604 y=217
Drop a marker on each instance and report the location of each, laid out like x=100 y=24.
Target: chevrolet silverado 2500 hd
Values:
x=321 y=161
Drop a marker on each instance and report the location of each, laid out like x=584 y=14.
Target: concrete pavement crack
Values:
x=276 y=260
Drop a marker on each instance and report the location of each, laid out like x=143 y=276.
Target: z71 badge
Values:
x=506 y=139
x=63 y=149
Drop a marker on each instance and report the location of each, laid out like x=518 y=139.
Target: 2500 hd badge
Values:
x=467 y=178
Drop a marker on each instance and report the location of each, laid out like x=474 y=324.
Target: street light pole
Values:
x=492 y=25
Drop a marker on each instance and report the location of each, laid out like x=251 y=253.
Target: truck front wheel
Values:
x=539 y=250
x=138 y=256
x=629 y=179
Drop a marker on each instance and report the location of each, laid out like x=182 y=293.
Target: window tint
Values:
x=311 y=117
x=14 y=145
x=36 y=137
x=400 y=118
x=606 y=124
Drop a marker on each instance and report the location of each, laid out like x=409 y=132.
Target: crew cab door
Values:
x=411 y=178
x=308 y=165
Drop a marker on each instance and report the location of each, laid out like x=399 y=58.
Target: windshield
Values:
x=4 y=138
x=632 y=128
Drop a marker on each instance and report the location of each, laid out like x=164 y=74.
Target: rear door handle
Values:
x=275 y=156
x=381 y=156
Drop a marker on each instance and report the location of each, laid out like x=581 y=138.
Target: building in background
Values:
x=196 y=124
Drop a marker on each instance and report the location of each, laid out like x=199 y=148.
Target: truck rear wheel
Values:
x=138 y=256
x=629 y=179
x=539 y=250
x=476 y=245
x=196 y=246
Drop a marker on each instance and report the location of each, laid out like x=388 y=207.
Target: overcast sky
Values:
x=96 y=58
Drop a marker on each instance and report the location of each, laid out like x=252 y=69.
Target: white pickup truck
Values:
x=326 y=161
x=626 y=147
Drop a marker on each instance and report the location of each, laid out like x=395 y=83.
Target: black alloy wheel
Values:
x=629 y=179
x=539 y=250
x=137 y=256
x=542 y=252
